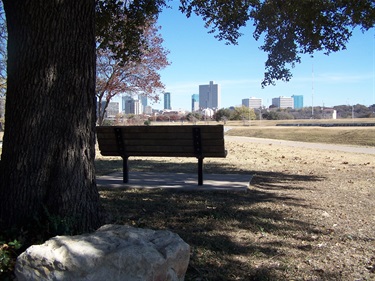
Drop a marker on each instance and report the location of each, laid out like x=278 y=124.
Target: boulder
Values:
x=113 y=252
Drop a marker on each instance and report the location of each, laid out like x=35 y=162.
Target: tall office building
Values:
x=126 y=101
x=209 y=96
x=252 y=102
x=194 y=102
x=298 y=101
x=167 y=101
x=143 y=101
x=131 y=106
x=283 y=102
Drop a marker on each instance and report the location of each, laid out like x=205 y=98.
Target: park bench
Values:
x=198 y=141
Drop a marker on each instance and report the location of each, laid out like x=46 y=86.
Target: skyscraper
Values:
x=298 y=101
x=126 y=100
x=194 y=102
x=209 y=96
x=131 y=106
x=167 y=101
x=143 y=101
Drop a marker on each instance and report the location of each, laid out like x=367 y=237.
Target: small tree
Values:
x=243 y=113
x=138 y=75
x=222 y=114
x=194 y=117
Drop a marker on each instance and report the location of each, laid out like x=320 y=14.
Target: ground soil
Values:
x=308 y=215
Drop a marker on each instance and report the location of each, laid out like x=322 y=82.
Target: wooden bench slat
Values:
x=164 y=152
x=162 y=129
x=159 y=142
x=160 y=154
x=169 y=136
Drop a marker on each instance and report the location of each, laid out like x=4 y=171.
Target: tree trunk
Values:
x=47 y=163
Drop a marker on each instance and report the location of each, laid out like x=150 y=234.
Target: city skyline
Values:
x=346 y=77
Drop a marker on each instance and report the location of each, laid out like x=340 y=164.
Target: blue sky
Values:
x=346 y=77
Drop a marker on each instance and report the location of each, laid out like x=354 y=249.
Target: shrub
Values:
x=8 y=254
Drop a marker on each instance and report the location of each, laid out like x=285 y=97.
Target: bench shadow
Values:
x=227 y=231
x=261 y=179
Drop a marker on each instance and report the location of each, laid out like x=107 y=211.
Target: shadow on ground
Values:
x=234 y=236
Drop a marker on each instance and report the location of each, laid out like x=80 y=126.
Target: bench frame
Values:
x=198 y=144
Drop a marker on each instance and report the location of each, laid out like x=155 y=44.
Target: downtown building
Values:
x=209 y=96
x=167 y=101
x=194 y=102
x=298 y=101
x=131 y=105
x=283 y=102
x=252 y=102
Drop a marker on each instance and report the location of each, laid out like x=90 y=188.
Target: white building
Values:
x=208 y=112
x=209 y=96
x=283 y=102
x=252 y=102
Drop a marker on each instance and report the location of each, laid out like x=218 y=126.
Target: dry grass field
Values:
x=309 y=214
x=364 y=136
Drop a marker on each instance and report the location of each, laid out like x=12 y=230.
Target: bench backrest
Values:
x=180 y=141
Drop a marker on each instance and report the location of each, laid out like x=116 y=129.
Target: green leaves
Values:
x=120 y=26
x=222 y=17
x=8 y=255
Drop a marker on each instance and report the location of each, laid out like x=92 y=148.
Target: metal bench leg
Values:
x=200 y=171
x=125 y=169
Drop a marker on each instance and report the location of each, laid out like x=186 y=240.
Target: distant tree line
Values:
x=318 y=112
x=243 y=113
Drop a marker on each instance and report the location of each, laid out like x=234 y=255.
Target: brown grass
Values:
x=364 y=136
x=309 y=214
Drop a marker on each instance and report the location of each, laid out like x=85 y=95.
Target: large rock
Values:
x=113 y=252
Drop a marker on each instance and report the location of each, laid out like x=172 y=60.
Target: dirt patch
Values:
x=309 y=215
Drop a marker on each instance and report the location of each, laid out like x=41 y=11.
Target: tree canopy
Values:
x=288 y=28
x=120 y=25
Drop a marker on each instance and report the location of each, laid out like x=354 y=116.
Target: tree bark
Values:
x=47 y=163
